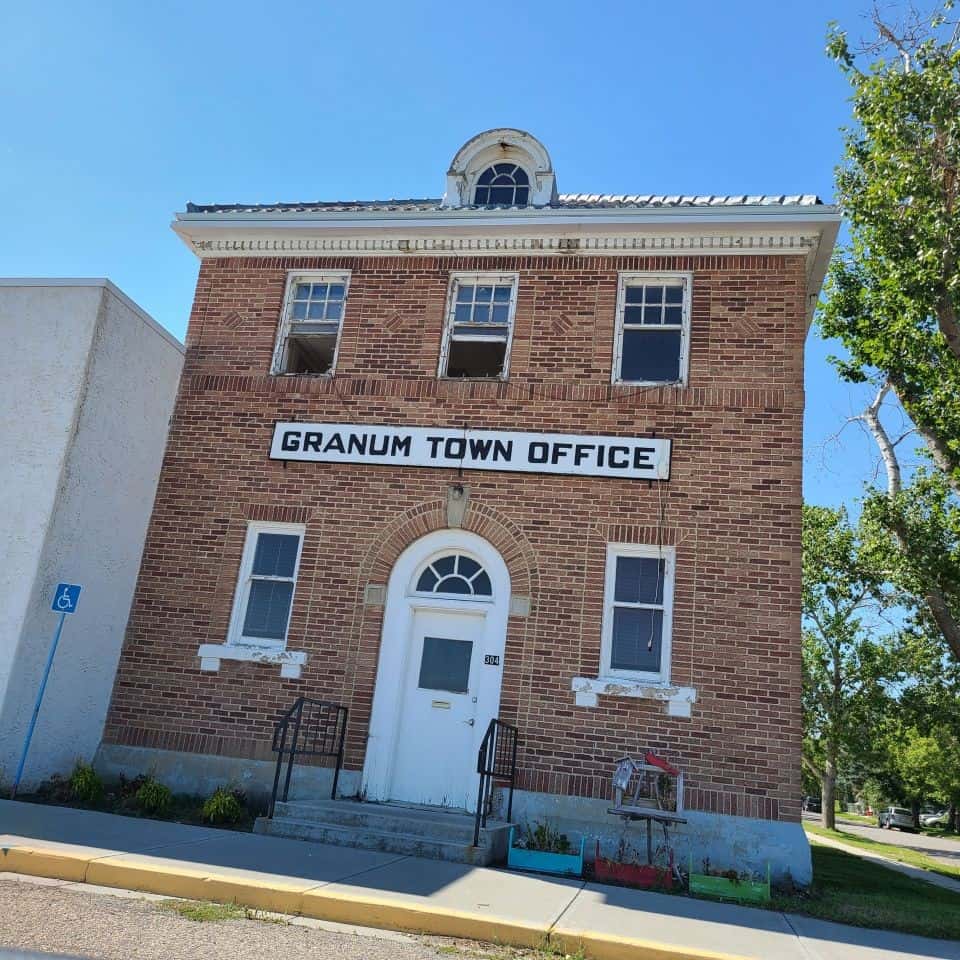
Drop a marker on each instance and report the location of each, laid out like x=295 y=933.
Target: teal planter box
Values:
x=539 y=861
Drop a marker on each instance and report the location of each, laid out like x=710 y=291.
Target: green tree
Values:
x=844 y=663
x=893 y=293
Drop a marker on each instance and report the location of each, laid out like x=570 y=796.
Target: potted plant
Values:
x=729 y=884
x=627 y=870
x=543 y=849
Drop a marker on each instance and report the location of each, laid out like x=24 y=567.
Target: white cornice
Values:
x=807 y=231
x=235 y=245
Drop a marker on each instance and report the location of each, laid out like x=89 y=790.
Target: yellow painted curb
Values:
x=176 y=878
x=197 y=882
x=607 y=946
x=371 y=911
x=53 y=862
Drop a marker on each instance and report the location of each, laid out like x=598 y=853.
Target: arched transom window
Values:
x=454 y=574
x=503 y=184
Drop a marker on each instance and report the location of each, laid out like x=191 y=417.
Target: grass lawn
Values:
x=858 y=818
x=888 y=850
x=941 y=832
x=849 y=889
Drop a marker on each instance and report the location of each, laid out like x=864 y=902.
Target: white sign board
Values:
x=632 y=458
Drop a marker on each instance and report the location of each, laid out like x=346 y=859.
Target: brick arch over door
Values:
x=387 y=545
x=499 y=531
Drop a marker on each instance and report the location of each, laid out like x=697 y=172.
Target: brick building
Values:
x=512 y=453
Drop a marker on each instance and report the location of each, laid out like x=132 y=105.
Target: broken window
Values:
x=479 y=327
x=310 y=331
x=653 y=326
x=502 y=185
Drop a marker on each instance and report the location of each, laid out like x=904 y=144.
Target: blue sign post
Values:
x=65 y=599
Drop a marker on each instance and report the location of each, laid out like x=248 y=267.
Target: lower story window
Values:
x=268 y=576
x=637 y=612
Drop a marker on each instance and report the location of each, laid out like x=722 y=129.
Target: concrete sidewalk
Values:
x=374 y=889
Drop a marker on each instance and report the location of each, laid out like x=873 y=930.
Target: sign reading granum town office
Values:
x=567 y=453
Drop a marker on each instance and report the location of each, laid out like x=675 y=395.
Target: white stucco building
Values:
x=87 y=386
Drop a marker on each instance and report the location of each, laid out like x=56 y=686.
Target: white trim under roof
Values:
x=804 y=229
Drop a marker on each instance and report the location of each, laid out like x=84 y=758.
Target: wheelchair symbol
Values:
x=65 y=598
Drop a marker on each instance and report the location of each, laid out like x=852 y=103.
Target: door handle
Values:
x=470 y=722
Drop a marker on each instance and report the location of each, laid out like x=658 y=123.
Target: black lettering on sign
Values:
x=538 y=452
x=335 y=443
x=291 y=440
x=641 y=458
x=619 y=464
x=559 y=451
x=454 y=448
x=384 y=445
x=311 y=441
x=401 y=445
x=480 y=449
x=357 y=444
x=491 y=660
x=503 y=451
x=434 y=443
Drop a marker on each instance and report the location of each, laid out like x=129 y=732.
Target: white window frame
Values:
x=283 y=329
x=478 y=279
x=638 y=279
x=241 y=595
x=669 y=555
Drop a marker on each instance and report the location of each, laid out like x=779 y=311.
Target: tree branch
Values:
x=871 y=416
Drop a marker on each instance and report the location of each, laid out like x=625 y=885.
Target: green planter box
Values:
x=747 y=891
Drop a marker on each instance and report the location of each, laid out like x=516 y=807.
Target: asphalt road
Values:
x=52 y=918
x=945 y=849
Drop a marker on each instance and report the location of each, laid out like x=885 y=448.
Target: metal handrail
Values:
x=319 y=729
x=496 y=760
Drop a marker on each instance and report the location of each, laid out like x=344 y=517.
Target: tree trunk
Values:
x=828 y=794
x=953 y=818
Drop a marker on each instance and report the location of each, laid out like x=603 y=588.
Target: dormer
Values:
x=501 y=168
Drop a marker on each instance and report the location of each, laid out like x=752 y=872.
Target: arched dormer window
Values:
x=454 y=574
x=502 y=185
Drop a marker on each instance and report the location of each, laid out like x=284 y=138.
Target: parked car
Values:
x=937 y=818
x=812 y=804
x=899 y=817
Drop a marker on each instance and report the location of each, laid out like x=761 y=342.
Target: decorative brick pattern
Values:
x=731 y=509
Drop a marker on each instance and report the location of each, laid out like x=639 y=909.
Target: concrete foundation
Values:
x=738 y=843
x=198 y=773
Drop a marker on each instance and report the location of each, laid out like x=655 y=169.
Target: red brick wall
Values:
x=732 y=508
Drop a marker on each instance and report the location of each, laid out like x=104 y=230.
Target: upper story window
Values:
x=309 y=332
x=503 y=184
x=268 y=574
x=653 y=328
x=479 y=326
x=637 y=612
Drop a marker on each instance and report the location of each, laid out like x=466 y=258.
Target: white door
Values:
x=440 y=667
x=449 y=696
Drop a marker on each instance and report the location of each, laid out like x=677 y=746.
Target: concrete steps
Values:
x=394 y=828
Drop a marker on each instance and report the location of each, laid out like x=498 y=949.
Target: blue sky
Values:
x=117 y=114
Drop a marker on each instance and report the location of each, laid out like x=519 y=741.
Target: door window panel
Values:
x=445 y=664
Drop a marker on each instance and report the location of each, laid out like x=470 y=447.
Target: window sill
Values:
x=290 y=661
x=678 y=699
x=679 y=384
x=328 y=375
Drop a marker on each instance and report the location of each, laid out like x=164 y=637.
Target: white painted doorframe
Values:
x=395 y=649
